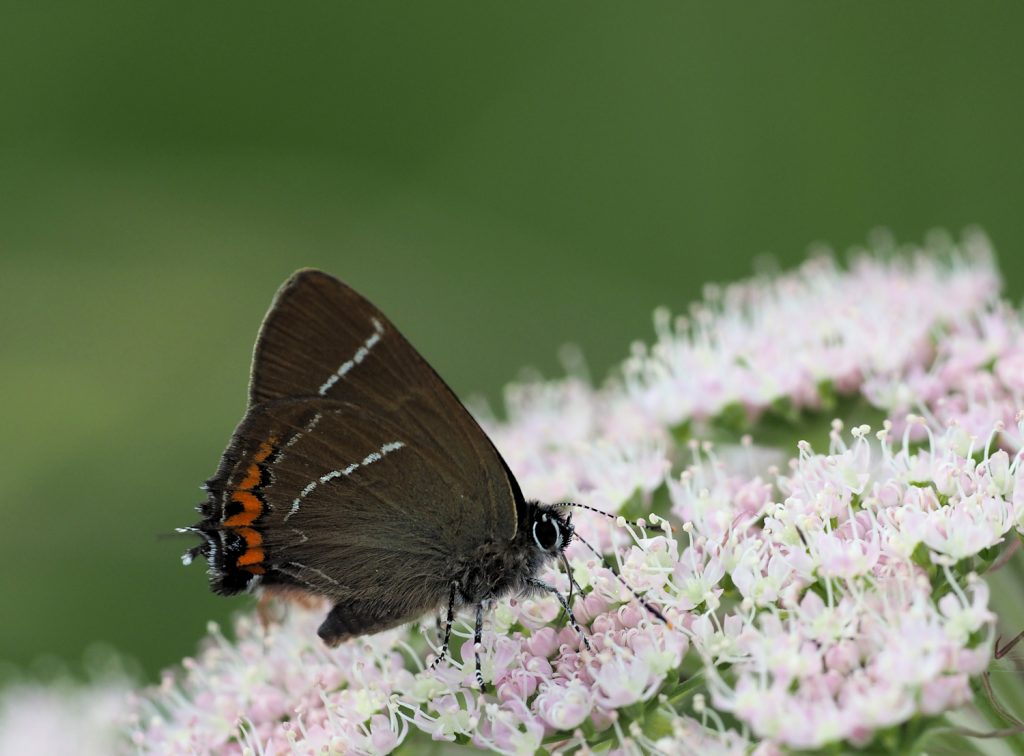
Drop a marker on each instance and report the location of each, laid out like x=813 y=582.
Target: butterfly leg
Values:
x=476 y=646
x=565 y=605
x=573 y=585
x=447 y=627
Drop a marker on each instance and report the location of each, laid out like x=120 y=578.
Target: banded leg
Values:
x=565 y=605
x=447 y=628
x=573 y=585
x=476 y=646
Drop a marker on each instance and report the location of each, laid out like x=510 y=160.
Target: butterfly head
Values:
x=551 y=529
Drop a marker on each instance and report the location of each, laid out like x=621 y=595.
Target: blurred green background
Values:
x=499 y=178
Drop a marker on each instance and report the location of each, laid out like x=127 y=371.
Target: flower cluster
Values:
x=976 y=378
x=62 y=717
x=823 y=603
x=763 y=594
x=850 y=602
x=799 y=337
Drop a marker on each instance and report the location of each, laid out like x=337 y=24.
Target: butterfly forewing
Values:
x=321 y=338
x=353 y=461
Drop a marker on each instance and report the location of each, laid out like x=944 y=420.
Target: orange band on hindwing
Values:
x=252 y=505
x=252 y=508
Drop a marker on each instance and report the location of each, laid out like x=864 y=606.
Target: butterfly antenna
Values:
x=634 y=523
x=643 y=602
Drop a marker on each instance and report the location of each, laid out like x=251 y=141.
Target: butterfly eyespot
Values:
x=546 y=534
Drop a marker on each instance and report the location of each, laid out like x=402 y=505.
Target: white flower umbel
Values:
x=822 y=328
x=842 y=636
x=831 y=601
x=825 y=583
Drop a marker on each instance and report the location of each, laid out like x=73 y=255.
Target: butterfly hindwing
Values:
x=329 y=498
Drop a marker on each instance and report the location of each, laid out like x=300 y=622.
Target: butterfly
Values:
x=358 y=476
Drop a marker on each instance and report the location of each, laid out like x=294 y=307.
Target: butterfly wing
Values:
x=321 y=338
x=356 y=473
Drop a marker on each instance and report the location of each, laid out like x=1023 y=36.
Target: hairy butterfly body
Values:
x=357 y=475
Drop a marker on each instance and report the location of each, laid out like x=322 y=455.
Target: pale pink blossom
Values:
x=816 y=594
x=565 y=706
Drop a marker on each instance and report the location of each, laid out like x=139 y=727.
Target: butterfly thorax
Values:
x=496 y=570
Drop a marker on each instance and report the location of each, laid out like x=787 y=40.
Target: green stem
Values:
x=1007 y=586
x=983 y=705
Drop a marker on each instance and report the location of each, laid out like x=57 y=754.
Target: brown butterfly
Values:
x=356 y=474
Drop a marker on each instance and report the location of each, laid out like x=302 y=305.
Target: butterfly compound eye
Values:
x=547 y=534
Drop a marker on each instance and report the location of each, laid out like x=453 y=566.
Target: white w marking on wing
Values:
x=359 y=356
x=386 y=449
